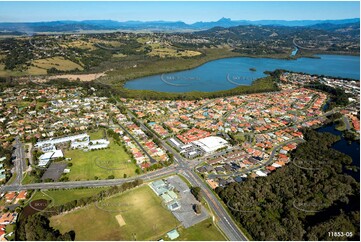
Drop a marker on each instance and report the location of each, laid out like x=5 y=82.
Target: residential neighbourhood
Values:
x=180 y=121
x=225 y=140
x=230 y=135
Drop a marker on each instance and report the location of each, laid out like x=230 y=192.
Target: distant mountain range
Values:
x=98 y=25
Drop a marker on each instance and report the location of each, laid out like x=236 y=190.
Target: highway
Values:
x=93 y=183
x=224 y=220
x=182 y=166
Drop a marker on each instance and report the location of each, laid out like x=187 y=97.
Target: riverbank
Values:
x=347 y=147
x=226 y=73
x=266 y=84
x=151 y=66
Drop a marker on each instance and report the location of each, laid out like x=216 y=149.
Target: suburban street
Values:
x=182 y=166
x=225 y=222
x=19 y=162
x=346 y=122
x=136 y=141
x=268 y=162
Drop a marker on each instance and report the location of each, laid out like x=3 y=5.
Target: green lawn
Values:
x=101 y=163
x=12 y=179
x=60 y=197
x=202 y=231
x=27 y=179
x=10 y=228
x=144 y=216
x=99 y=134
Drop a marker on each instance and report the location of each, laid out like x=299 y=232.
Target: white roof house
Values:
x=211 y=144
x=276 y=165
x=261 y=173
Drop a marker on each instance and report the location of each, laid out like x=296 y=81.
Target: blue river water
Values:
x=294 y=52
x=227 y=73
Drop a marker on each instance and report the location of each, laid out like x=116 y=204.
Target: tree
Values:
x=197 y=208
x=196 y=191
x=37 y=227
x=276 y=203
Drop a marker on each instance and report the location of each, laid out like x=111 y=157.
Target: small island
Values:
x=252 y=69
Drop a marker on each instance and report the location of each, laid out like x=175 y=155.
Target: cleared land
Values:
x=100 y=163
x=71 y=77
x=144 y=216
x=163 y=52
x=58 y=63
x=119 y=55
x=80 y=44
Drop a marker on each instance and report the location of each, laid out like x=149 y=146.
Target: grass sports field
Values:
x=142 y=218
x=63 y=196
x=202 y=231
x=100 y=163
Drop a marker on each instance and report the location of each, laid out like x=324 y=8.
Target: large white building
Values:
x=211 y=144
x=80 y=141
x=45 y=158
x=47 y=144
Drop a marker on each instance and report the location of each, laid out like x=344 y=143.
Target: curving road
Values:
x=224 y=220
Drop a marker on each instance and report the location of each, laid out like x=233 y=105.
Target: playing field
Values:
x=202 y=231
x=59 y=197
x=143 y=218
x=100 y=163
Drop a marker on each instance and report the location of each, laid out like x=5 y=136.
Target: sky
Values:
x=188 y=12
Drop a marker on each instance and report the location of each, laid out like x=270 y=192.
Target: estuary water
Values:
x=227 y=73
x=350 y=148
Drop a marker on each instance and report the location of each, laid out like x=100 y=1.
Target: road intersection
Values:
x=181 y=166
